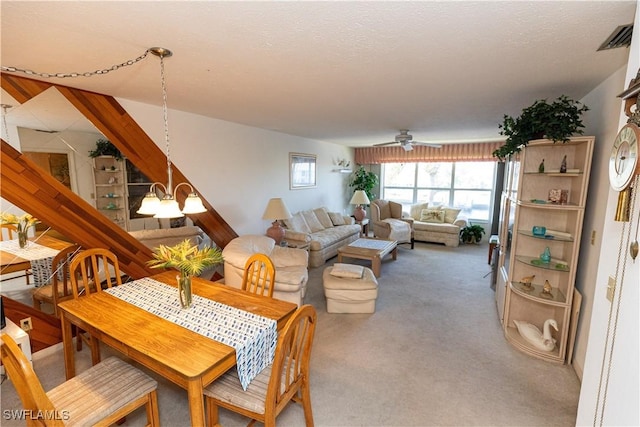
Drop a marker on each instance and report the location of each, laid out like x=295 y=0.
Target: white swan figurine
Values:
x=536 y=338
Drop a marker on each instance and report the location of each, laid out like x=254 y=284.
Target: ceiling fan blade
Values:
x=427 y=144
x=385 y=143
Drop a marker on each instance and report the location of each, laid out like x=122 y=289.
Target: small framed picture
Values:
x=559 y=196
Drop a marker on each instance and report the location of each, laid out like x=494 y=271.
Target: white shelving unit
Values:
x=526 y=204
x=110 y=189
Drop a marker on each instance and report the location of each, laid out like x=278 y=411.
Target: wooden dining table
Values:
x=188 y=359
x=10 y=263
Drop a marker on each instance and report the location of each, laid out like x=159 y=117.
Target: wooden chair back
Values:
x=259 y=275
x=60 y=277
x=7 y=231
x=290 y=371
x=26 y=383
x=93 y=269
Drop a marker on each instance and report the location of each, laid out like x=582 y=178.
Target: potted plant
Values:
x=556 y=121
x=105 y=148
x=471 y=234
x=189 y=260
x=364 y=180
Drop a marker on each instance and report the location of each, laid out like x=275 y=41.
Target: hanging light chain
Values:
x=72 y=75
x=166 y=124
x=5 y=107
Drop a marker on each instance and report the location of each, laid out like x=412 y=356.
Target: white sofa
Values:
x=439 y=224
x=322 y=232
x=169 y=236
x=291 y=265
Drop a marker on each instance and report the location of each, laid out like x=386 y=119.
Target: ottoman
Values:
x=350 y=289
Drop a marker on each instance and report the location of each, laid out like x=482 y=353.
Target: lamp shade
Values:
x=276 y=209
x=168 y=209
x=193 y=204
x=359 y=198
x=150 y=204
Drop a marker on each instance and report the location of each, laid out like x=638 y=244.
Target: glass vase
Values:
x=22 y=239
x=184 y=289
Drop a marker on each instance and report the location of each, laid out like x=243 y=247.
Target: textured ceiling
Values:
x=346 y=72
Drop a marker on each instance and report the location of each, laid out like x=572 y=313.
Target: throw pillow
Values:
x=416 y=210
x=312 y=221
x=450 y=214
x=336 y=218
x=432 y=215
x=297 y=223
x=323 y=217
x=347 y=271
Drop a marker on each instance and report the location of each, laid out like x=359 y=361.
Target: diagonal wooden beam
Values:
x=111 y=119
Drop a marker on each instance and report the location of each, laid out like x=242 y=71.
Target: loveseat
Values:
x=322 y=232
x=290 y=263
x=439 y=224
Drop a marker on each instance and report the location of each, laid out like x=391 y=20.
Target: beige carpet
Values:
x=432 y=354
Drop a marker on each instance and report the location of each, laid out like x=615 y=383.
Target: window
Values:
x=464 y=185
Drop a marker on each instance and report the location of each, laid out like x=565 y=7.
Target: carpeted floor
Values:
x=433 y=353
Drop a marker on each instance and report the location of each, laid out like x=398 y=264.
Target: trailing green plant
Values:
x=364 y=180
x=105 y=148
x=556 y=121
x=471 y=234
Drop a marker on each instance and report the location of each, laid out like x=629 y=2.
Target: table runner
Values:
x=40 y=257
x=253 y=337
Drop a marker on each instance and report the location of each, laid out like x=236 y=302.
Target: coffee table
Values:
x=371 y=249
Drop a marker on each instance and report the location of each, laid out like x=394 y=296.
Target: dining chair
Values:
x=58 y=288
x=90 y=271
x=9 y=232
x=99 y=396
x=259 y=275
x=272 y=389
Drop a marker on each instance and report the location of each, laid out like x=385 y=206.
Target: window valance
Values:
x=479 y=151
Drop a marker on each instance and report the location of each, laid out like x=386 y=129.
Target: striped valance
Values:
x=480 y=151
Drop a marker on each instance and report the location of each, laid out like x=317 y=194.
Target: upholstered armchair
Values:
x=388 y=222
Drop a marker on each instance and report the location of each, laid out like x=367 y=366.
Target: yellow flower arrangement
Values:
x=22 y=222
x=188 y=259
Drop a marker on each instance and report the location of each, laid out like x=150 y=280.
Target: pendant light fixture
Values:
x=167 y=207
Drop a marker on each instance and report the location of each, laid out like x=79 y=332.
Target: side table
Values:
x=364 y=227
x=493 y=242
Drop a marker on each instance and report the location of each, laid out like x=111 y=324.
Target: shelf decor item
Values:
x=22 y=223
x=540 y=340
x=538 y=230
x=556 y=121
x=189 y=260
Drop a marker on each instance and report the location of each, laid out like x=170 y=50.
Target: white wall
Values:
x=239 y=168
x=602 y=122
x=623 y=389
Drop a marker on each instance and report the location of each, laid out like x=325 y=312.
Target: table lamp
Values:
x=359 y=198
x=276 y=210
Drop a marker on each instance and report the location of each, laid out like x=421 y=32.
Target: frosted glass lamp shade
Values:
x=150 y=204
x=193 y=204
x=168 y=209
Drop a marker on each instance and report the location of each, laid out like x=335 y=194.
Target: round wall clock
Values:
x=623 y=164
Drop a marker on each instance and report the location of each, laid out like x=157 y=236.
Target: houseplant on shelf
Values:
x=22 y=223
x=471 y=234
x=189 y=260
x=556 y=121
x=105 y=148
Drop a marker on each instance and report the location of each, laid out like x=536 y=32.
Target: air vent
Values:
x=621 y=37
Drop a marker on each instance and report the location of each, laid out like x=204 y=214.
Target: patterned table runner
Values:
x=40 y=257
x=253 y=337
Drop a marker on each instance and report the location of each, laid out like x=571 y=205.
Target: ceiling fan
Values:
x=406 y=141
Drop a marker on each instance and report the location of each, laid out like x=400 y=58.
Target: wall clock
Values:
x=623 y=163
